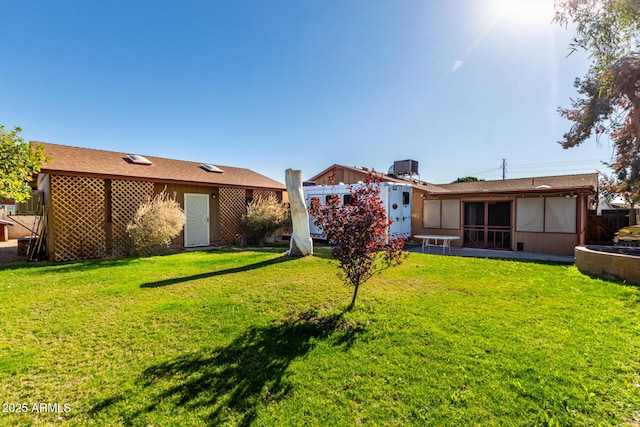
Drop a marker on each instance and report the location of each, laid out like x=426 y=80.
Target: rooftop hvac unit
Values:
x=405 y=167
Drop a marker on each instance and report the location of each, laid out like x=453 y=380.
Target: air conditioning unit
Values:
x=405 y=167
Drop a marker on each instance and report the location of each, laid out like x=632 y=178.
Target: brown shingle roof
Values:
x=67 y=160
x=587 y=181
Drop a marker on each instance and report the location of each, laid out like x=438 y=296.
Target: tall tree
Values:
x=609 y=102
x=19 y=162
x=467 y=179
x=358 y=232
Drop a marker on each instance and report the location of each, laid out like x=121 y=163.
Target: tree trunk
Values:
x=355 y=294
x=301 y=243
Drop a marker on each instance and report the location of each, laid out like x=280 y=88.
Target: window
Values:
x=431 y=213
x=441 y=214
x=546 y=214
x=530 y=214
x=406 y=197
x=560 y=215
x=347 y=199
x=451 y=214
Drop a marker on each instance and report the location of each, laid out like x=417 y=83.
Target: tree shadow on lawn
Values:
x=228 y=384
x=69 y=266
x=87 y=264
x=248 y=267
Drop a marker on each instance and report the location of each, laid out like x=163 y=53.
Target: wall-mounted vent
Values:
x=211 y=168
x=138 y=159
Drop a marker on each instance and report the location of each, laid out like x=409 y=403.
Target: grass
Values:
x=248 y=337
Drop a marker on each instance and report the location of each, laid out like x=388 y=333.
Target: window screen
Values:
x=431 y=213
x=530 y=214
x=451 y=214
x=560 y=215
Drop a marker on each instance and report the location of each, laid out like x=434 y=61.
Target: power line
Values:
x=521 y=170
x=567 y=163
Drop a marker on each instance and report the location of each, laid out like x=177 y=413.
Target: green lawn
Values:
x=248 y=337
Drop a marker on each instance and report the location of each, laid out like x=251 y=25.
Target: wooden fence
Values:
x=601 y=228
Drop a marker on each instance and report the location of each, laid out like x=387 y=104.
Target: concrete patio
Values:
x=489 y=253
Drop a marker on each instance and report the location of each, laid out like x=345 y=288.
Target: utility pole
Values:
x=504 y=169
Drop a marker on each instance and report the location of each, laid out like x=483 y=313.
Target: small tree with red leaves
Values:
x=358 y=232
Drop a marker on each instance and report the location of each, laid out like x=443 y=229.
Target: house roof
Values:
x=385 y=177
x=587 y=181
x=68 y=160
x=544 y=184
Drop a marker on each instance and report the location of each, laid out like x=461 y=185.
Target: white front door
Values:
x=196 y=229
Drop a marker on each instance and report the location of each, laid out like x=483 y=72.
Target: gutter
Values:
x=586 y=189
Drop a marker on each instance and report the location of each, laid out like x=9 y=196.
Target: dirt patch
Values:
x=9 y=253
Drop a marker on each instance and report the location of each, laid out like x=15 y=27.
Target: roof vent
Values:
x=542 y=187
x=138 y=159
x=211 y=168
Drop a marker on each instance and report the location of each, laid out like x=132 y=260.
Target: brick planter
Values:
x=608 y=262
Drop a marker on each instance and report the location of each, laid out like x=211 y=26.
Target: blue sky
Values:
x=457 y=85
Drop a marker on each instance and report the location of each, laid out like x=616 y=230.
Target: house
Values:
x=90 y=195
x=540 y=214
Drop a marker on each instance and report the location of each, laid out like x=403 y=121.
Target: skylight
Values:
x=211 y=168
x=138 y=159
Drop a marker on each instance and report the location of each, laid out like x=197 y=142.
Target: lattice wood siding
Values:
x=233 y=205
x=126 y=196
x=78 y=206
x=263 y=193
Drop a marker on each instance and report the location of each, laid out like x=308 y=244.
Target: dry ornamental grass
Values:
x=156 y=222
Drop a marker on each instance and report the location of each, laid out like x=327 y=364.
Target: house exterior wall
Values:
x=417 y=223
x=226 y=208
x=123 y=199
x=346 y=176
x=76 y=218
x=536 y=242
x=87 y=217
x=546 y=243
x=177 y=192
